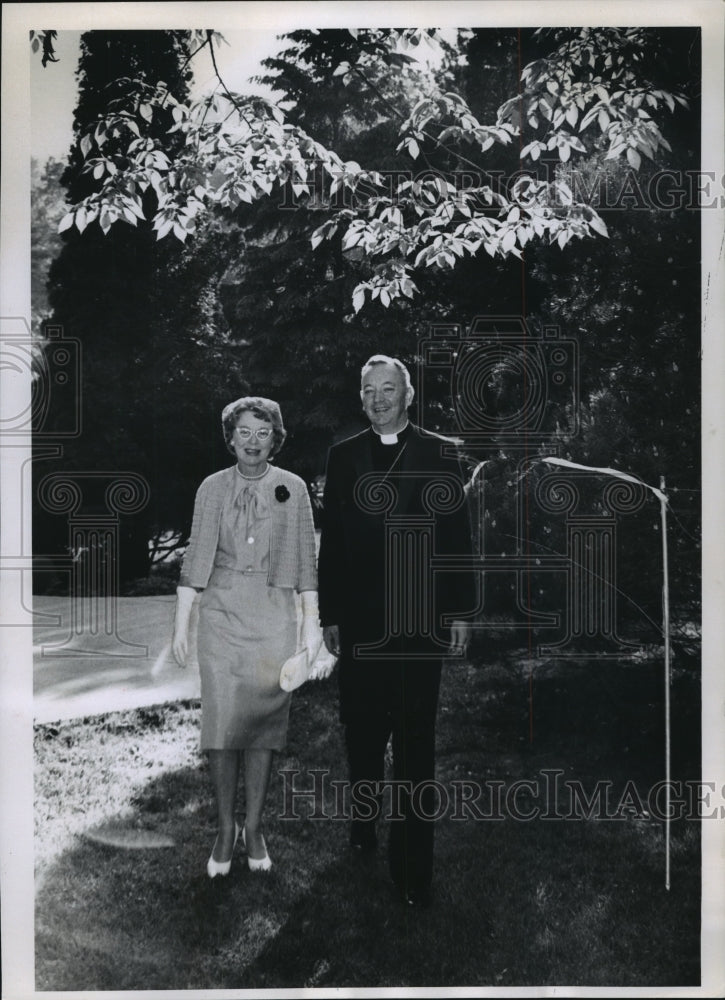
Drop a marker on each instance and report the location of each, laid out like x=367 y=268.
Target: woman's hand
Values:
x=180 y=642
x=310 y=633
x=324 y=668
x=180 y=645
x=311 y=636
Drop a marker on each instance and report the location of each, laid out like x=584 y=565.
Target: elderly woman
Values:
x=252 y=546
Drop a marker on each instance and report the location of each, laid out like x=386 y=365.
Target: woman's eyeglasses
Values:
x=263 y=434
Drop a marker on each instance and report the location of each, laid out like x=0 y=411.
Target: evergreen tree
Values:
x=295 y=324
x=157 y=364
x=292 y=305
x=306 y=342
x=631 y=303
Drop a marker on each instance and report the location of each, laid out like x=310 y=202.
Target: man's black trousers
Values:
x=380 y=700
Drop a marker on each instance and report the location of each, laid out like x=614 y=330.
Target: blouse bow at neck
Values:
x=251 y=505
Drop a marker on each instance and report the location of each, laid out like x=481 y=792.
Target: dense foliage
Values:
x=275 y=250
x=155 y=350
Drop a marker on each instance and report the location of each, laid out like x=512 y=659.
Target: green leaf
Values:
x=358 y=298
x=85 y=146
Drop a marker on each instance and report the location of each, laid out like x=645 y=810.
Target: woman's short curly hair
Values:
x=262 y=409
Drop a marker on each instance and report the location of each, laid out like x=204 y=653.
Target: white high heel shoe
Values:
x=257 y=864
x=214 y=868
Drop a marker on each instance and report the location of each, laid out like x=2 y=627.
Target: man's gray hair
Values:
x=384 y=359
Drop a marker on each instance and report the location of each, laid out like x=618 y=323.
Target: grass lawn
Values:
x=537 y=902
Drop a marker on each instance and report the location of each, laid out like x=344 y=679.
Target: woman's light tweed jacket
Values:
x=292 y=545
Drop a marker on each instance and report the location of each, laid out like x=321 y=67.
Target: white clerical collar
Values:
x=390 y=438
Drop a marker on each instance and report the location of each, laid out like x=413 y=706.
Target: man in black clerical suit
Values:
x=393 y=499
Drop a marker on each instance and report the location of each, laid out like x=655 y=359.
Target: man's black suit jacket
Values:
x=358 y=574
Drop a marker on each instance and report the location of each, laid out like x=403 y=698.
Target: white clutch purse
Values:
x=295 y=671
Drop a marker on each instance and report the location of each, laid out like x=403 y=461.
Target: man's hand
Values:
x=331 y=638
x=460 y=637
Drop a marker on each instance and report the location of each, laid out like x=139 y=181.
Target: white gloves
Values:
x=311 y=636
x=180 y=642
x=311 y=633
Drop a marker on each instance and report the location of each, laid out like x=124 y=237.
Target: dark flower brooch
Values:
x=281 y=493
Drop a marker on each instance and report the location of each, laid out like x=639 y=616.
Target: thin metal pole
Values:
x=553 y=460
x=666 y=630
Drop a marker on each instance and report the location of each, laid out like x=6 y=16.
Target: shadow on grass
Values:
x=516 y=903
x=502 y=917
